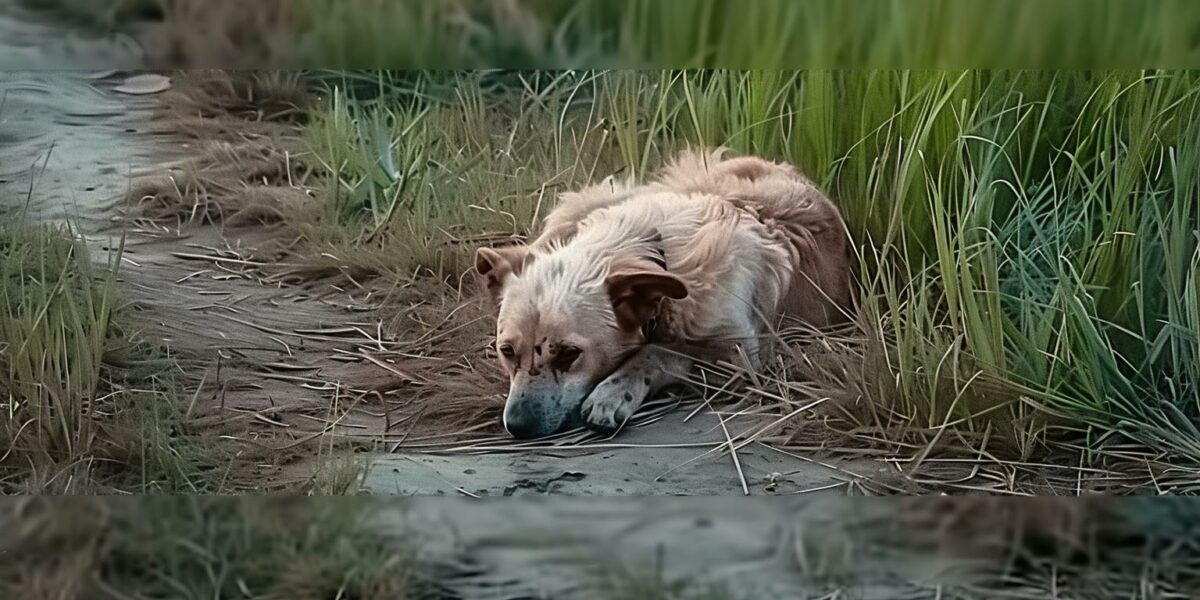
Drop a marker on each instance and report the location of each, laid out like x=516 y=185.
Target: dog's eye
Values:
x=507 y=351
x=565 y=357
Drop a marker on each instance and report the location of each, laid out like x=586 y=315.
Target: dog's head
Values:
x=564 y=324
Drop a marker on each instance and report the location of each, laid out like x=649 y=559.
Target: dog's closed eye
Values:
x=507 y=351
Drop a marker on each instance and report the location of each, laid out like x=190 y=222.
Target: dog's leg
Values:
x=645 y=373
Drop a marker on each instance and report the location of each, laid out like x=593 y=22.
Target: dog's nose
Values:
x=521 y=424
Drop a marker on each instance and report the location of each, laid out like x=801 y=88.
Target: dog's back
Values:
x=798 y=215
x=794 y=229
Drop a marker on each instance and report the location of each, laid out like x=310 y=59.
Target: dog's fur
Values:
x=628 y=284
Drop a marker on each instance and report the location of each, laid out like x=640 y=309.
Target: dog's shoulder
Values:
x=574 y=207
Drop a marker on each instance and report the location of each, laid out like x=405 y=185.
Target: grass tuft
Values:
x=205 y=547
x=87 y=406
x=57 y=312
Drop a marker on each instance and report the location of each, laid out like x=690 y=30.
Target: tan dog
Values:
x=627 y=285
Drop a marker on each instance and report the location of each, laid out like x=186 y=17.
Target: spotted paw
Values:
x=609 y=406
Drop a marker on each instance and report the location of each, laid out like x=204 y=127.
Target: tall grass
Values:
x=413 y=187
x=418 y=34
x=86 y=407
x=1027 y=239
x=206 y=547
x=57 y=310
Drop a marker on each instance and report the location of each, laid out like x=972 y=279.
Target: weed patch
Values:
x=204 y=547
x=87 y=407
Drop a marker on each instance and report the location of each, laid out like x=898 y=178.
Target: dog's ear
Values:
x=495 y=265
x=635 y=295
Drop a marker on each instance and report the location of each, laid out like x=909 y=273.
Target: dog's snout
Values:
x=520 y=422
x=533 y=415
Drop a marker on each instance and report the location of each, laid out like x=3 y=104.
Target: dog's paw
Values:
x=609 y=405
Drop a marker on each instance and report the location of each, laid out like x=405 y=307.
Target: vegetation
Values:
x=205 y=547
x=662 y=33
x=1030 y=265
x=86 y=406
x=713 y=33
x=1027 y=238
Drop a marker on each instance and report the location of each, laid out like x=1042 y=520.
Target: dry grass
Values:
x=234 y=138
x=440 y=342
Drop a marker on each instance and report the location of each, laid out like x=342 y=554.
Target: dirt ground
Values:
x=761 y=547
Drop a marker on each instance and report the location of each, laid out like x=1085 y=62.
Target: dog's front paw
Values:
x=609 y=406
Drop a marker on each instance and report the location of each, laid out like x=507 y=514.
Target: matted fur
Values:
x=748 y=241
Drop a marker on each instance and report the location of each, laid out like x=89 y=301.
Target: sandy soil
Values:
x=760 y=547
x=664 y=454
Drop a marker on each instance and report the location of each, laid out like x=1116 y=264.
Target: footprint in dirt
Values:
x=546 y=486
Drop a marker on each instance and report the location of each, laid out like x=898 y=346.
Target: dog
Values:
x=628 y=285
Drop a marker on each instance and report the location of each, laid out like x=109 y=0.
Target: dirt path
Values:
x=67 y=144
x=728 y=547
x=274 y=368
x=666 y=451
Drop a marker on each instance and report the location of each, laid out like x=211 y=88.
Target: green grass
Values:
x=1027 y=238
x=658 y=33
x=206 y=547
x=416 y=34
x=414 y=187
x=87 y=406
x=57 y=312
